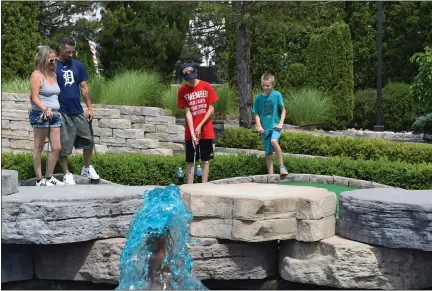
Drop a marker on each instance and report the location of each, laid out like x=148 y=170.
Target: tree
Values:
x=406 y=30
x=57 y=19
x=244 y=82
x=20 y=38
x=143 y=35
x=329 y=65
x=421 y=88
x=362 y=21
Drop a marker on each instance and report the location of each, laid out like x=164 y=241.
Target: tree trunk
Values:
x=244 y=81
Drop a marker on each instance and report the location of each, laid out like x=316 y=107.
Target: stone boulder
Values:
x=393 y=218
x=260 y=212
x=9 y=182
x=346 y=264
x=57 y=215
x=98 y=261
x=16 y=262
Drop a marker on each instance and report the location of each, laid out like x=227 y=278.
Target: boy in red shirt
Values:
x=197 y=97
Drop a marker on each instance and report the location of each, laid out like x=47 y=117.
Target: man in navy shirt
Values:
x=75 y=131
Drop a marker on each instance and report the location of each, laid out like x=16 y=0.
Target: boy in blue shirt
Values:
x=270 y=114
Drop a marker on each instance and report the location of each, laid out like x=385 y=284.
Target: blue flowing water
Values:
x=156 y=256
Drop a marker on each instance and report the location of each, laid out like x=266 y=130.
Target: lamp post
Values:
x=379 y=122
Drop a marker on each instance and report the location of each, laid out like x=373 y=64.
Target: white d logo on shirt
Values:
x=68 y=77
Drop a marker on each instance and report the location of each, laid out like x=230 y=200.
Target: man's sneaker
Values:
x=90 y=172
x=283 y=170
x=68 y=179
x=41 y=182
x=54 y=182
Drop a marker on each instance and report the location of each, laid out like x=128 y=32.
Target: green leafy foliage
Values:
x=143 y=35
x=330 y=69
x=309 y=144
x=16 y=85
x=19 y=38
x=421 y=88
x=399 y=111
x=364 y=109
x=54 y=20
x=138 y=88
x=169 y=101
x=423 y=124
x=226 y=105
x=362 y=20
x=137 y=169
x=279 y=33
x=406 y=31
x=306 y=106
x=296 y=75
x=96 y=85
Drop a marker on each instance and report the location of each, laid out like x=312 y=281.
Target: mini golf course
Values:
x=337 y=189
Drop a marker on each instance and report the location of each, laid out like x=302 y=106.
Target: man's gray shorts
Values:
x=75 y=132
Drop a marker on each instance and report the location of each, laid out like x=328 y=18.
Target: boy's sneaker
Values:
x=283 y=170
x=90 y=172
x=54 y=182
x=68 y=179
x=41 y=182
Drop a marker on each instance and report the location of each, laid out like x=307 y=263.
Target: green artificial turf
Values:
x=337 y=189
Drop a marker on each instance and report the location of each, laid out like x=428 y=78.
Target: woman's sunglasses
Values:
x=51 y=61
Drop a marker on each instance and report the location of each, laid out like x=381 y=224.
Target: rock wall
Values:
x=117 y=129
x=408 y=137
x=78 y=235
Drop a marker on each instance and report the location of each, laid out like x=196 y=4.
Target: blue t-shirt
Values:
x=69 y=76
x=269 y=109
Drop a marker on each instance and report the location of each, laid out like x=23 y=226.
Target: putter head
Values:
x=94 y=181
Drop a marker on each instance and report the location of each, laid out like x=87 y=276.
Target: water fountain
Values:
x=156 y=255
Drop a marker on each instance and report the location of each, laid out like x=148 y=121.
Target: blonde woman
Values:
x=44 y=116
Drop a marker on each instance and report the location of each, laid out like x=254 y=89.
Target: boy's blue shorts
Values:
x=267 y=136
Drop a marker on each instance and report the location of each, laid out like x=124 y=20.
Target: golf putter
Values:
x=93 y=181
x=194 y=160
x=48 y=149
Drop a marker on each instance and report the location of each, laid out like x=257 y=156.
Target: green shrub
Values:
x=399 y=111
x=296 y=75
x=225 y=106
x=16 y=85
x=421 y=88
x=329 y=63
x=309 y=144
x=96 y=85
x=423 y=124
x=137 y=169
x=364 y=109
x=306 y=106
x=138 y=88
x=19 y=37
x=169 y=101
x=256 y=91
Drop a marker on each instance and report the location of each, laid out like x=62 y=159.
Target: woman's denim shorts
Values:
x=37 y=121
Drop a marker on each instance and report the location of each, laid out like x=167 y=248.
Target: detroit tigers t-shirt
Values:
x=69 y=76
x=198 y=99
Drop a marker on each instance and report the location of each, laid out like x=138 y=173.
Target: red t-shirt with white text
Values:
x=197 y=99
